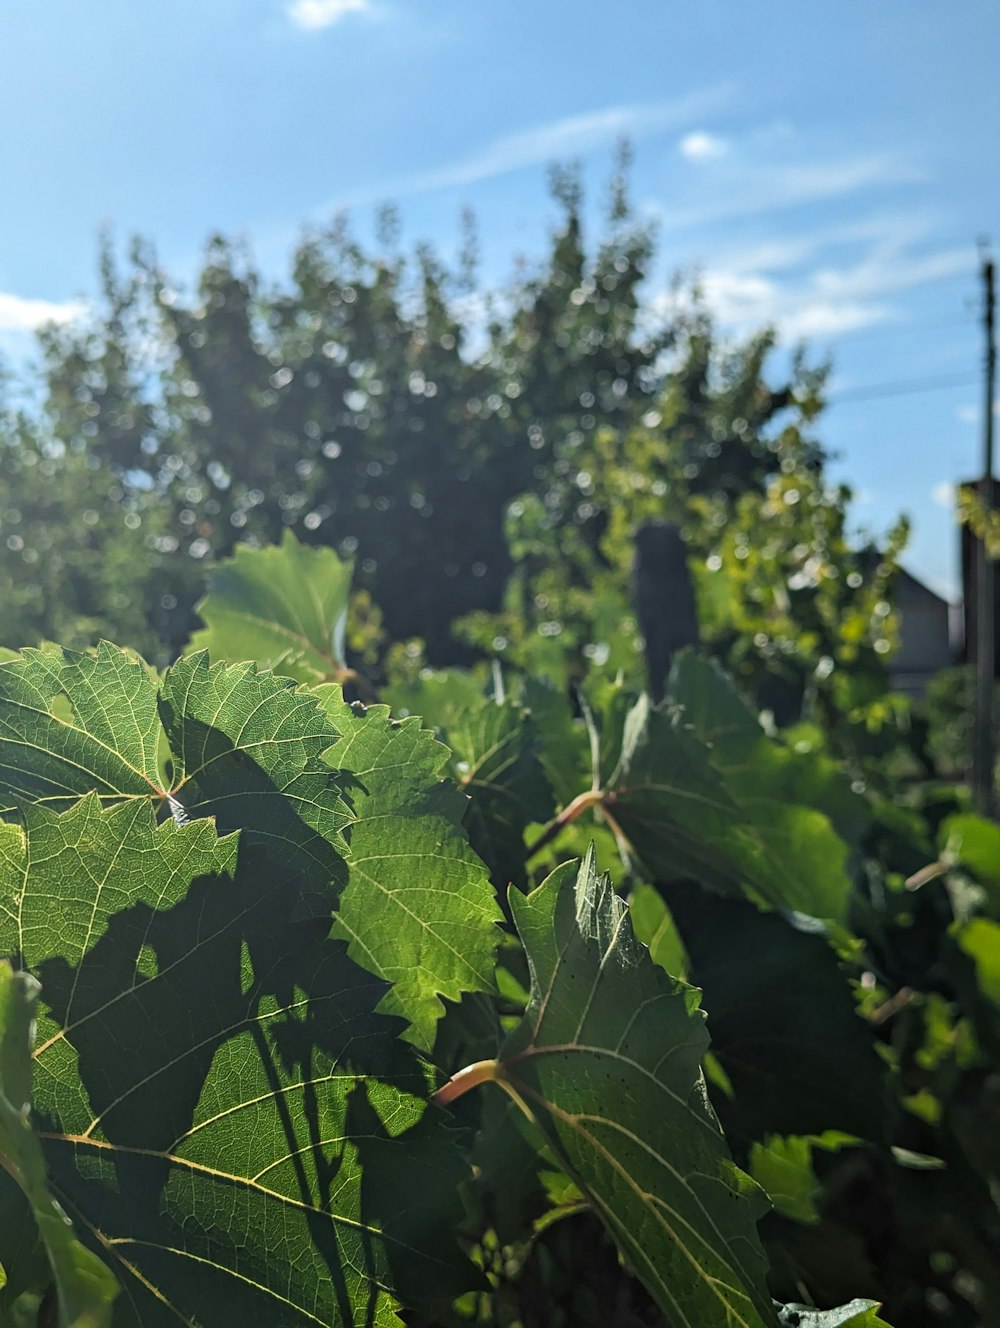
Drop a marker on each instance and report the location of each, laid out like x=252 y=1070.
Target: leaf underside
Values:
x=608 y=1062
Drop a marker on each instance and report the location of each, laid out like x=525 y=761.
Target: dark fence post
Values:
x=664 y=599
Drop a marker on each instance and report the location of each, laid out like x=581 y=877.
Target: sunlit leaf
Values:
x=418 y=909
x=974 y=843
x=284 y=606
x=74 y=723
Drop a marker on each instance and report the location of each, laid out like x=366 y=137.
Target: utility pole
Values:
x=983 y=746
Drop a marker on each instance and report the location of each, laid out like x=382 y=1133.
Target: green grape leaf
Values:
x=418 y=908
x=655 y=927
x=253 y=751
x=74 y=723
x=85 y=1289
x=783 y=1167
x=979 y=938
x=689 y=815
x=228 y=1120
x=439 y=696
x=284 y=606
x=658 y=785
x=223 y=740
x=974 y=843
x=240 y=745
x=497 y=747
x=608 y=1062
x=247 y=749
x=776 y=782
x=564 y=754
x=782 y=1019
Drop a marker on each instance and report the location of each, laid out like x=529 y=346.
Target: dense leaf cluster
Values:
x=342 y=1019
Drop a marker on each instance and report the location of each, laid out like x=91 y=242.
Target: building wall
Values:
x=925 y=638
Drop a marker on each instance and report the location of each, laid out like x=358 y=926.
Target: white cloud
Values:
x=746 y=300
x=701 y=146
x=571 y=136
x=830 y=281
x=943 y=494
x=20 y=315
x=313 y=14
x=817 y=318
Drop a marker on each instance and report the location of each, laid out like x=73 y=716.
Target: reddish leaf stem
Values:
x=568 y=814
x=925 y=875
x=479 y=1072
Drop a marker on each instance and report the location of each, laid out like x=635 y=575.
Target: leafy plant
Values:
x=330 y=1029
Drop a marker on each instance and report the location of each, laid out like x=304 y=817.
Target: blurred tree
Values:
x=795 y=611
x=75 y=564
x=485 y=460
x=379 y=403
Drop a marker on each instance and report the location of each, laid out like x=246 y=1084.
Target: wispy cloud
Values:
x=573 y=135
x=313 y=14
x=18 y=314
x=701 y=146
x=943 y=494
x=745 y=191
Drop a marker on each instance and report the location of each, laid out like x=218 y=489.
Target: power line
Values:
x=905 y=387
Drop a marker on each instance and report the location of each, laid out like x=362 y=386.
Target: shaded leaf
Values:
x=782 y=1020
x=801 y=801
x=564 y=753
x=227 y=1118
x=980 y=939
x=497 y=749
x=607 y=1060
x=722 y=717
x=691 y=812
x=247 y=748
x=85 y=1289
x=658 y=784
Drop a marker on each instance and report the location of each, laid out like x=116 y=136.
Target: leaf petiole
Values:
x=479 y=1072
x=580 y=803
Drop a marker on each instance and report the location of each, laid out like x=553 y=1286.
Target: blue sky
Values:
x=827 y=166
